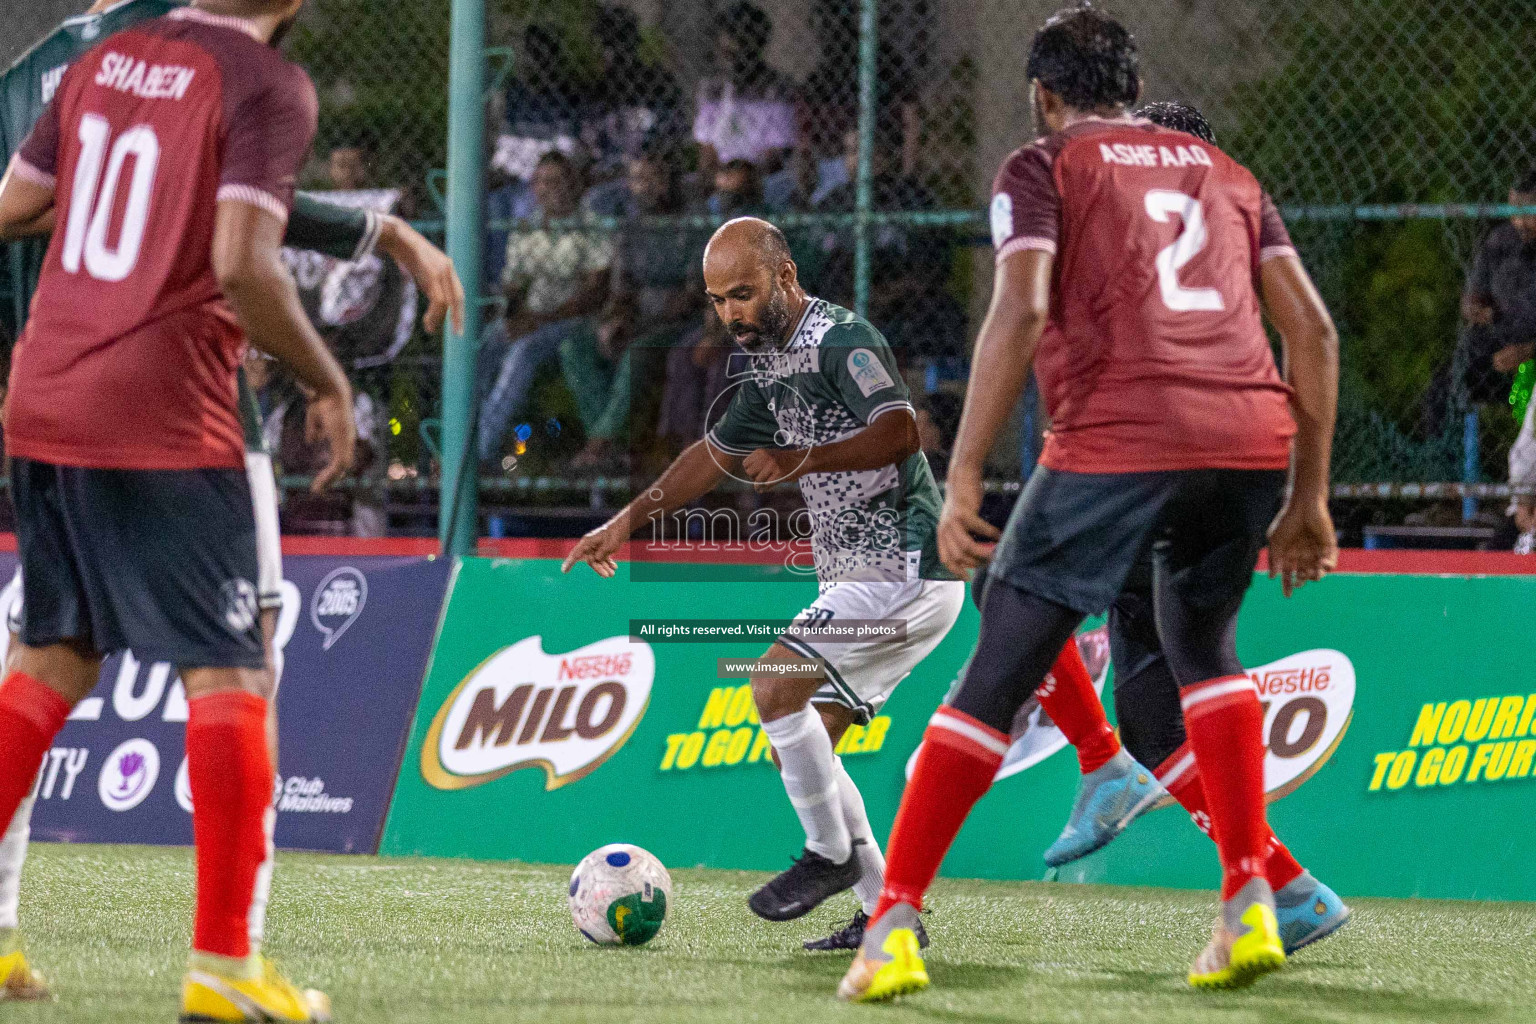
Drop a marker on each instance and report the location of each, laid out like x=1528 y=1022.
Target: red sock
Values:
x=31 y=715
x=1181 y=777
x=1067 y=696
x=955 y=767
x=231 y=776
x=1225 y=725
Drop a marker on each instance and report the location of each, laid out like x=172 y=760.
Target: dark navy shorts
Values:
x=1074 y=538
x=162 y=562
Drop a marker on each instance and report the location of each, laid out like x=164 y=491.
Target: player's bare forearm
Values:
x=262 y=293
x=692 y=475
x=431 y=269
x=889 y=439
x=1005 y=350
x=1311 y=347
x=26 y=208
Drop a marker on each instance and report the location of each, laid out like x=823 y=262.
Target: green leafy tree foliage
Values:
x=1389 y=101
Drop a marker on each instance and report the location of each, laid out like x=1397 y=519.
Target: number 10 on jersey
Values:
x=93 y=198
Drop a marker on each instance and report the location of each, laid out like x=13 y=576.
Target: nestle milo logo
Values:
x=523 y=708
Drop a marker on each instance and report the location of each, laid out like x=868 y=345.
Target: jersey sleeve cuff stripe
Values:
x=365 y=245
x=27 y=172
x=1025 y=242
x=1270 y=252
x=886 y=407
x=255 y=197
x=713 y=439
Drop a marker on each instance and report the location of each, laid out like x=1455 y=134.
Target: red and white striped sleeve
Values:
x=270 y=129
x=1274 y=239
x=1026 y=205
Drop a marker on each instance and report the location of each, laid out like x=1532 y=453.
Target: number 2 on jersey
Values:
x=93 y=199
x=1161 y=204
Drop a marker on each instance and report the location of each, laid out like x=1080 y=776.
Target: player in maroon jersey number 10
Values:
x=167 y=162
x=1132 y=266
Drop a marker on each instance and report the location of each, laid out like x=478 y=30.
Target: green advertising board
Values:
x=1399 y=722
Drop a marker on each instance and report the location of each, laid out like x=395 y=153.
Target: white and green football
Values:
x=619 y=895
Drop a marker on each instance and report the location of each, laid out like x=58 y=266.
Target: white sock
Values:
x=810 y=778
x=256 y=919
x=13 y=852
x=867 y=888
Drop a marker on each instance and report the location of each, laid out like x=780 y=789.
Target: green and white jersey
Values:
x=27 y=87
x=830 y=381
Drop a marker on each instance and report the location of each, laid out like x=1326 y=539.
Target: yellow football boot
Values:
x=219 y=991
x=18 y=981
x=889 y=963
x=1241 y=951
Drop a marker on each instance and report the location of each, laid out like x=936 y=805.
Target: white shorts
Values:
x=269 y=542
x=862 y=675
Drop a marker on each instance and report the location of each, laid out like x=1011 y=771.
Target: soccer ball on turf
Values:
x=619 y=895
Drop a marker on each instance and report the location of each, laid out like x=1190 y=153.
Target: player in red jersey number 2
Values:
x=1132 y=262
x=165 y=168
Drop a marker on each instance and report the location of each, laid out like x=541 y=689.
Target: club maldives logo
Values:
x=338 y=602
x=523 y=708
x=128 y=775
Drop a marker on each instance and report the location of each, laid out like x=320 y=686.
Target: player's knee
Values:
x=776 y=698
x=69 y=668
x=202 y=682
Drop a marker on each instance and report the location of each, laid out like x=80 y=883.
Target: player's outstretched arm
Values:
x=1005 y=350
x=692 y=474
x=1302 y=545
x=431 y=269
x=888 y=439
x=26 y=207
x=246 y=244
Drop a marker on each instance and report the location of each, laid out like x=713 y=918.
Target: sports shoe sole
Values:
x=1119 y=827
x=1323 y=930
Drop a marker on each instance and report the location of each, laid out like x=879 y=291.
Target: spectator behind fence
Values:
x=696 y=367
x=1522 y=475
x=346 y=511
x=636 y=107
x=656 y=291
x=1499 y=304
x=544 y=105
x=909 y=267
x=746 y=110
x=556 y=279
x=347 y=168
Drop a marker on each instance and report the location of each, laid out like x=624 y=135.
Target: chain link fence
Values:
x=620 y=132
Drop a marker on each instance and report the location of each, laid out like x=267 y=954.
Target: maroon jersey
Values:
x=128 y=359
x=1155 y=357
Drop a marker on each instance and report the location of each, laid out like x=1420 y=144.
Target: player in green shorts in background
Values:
x=347 y=234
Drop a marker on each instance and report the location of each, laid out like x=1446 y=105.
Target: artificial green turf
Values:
x=469 y=942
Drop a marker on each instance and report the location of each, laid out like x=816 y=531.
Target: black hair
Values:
x=1087 y=58
x=617 y=28
x=1527 y=184
x=560 y=160
x=1179 y=117
x=748 y=24
x=742 y=164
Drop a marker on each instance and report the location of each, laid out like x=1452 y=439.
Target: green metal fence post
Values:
x=465 y=224
x=864 y=198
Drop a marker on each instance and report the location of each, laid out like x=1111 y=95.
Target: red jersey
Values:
x=128 y=359
x=1155 y=357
